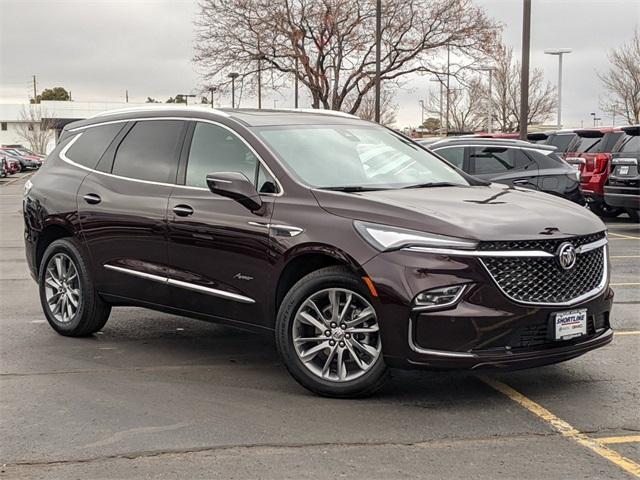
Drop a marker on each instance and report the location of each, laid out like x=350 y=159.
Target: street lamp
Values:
x=233 y=76
x=421 y=102
x=595 y=119
x=212 y=90
x=559 y=52
x=490 y=119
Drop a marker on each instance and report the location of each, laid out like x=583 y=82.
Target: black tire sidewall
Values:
x=332 y=277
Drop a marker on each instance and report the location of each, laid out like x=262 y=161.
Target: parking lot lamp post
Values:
x=490 y=109
x=559 y=52
x=421 y=102
x=211 y=90
x=437 y=79
x=524 y=72
x=233 y=76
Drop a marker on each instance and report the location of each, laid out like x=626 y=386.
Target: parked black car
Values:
x=354 y=247
x=623 y=185
x=515 y=163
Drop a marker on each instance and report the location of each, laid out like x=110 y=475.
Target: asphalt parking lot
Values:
x=161 y=396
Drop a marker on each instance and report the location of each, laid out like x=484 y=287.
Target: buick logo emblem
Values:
x=566 y=255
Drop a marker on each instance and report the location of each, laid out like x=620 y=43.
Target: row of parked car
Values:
x=596 y=166
x=16 y=158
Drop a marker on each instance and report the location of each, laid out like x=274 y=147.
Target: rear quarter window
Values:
x=92 y=144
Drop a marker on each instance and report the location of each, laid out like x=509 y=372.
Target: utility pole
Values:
x=448 y=87
x=440 y=111
x=35 y=90
x=559 y=52
x=211 y=90
x=126 y=96
x=260 y=81
x=524 y=74
x=421 y=102
x=378 y=55
x=490 y=106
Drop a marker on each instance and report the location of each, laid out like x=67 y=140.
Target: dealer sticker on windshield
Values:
x=570 y=324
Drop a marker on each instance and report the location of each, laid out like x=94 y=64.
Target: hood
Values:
x=493 y=212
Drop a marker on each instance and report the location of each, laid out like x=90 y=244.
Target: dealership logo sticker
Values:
x=567 y=255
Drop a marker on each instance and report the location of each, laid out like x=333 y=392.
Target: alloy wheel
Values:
x=336 y=335
x=62 y=287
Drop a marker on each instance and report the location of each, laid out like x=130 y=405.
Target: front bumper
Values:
x=485 y=329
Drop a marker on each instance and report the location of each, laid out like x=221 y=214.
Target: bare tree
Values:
x=506 y=93
x=329 y=45
x=622 y=81
x=388 y=108
x=36 y=128
x=466 y=106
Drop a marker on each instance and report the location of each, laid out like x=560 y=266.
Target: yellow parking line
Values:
x=623 y=236
x=628 y=332
x=622 y=439
x=624 y=256
x=623 y=284
x=564 y=428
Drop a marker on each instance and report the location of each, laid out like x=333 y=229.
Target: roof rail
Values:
x=320 y=111
x=163 y=106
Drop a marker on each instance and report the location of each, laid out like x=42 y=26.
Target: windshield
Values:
x=346 y=156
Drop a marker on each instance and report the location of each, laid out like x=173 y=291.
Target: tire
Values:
x=91 y=313
x=634 y=215
x=603 y=210
x=346 y=377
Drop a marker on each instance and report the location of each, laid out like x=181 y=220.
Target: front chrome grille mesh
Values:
x=542 y=280
x=549 y=246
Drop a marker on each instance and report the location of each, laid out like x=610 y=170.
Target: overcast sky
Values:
x=98 y=49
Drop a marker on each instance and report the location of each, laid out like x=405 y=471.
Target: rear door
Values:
x=218 y=249
x=123 y=205
x=507 y=165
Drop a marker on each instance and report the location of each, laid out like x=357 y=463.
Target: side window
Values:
x=455 y=155
x=632 y=145
x=150 y=151
x=92 y=144
x=486 y=160
x=216 y=149
x=266 y=183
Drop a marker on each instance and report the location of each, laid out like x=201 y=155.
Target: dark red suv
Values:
x=356 y=248
x=590 y=152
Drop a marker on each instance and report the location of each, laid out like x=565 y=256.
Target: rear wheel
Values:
x=69 y=300
x=605 y=211
x=328 y=335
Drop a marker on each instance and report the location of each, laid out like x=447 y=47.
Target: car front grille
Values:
x=541 y=280
x=549 y=246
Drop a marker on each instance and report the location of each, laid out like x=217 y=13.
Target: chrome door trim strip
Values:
x=64 y=157
x=439 y=353
x=178 y=283
x=591 y=246
x=210 y=291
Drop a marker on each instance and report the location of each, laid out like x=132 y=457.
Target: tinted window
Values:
x=216 y=149
x=561 y=142
x=150 y=151
x=455 y=155
x=586 y=144
x=497 y=159
x=92 y=143
x=632 y=145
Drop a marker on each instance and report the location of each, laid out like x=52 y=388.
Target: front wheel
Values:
x=69 y=300
x=328 y=336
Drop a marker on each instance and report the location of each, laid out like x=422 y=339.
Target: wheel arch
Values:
x=48 y=235
x=308 y=258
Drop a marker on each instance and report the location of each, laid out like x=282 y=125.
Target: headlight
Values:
x=384 y=237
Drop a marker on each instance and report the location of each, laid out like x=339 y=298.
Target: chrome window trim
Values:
x=439 y=353
x=543 y=151
x=179 y=283
x=585 y=296
x=63 y=153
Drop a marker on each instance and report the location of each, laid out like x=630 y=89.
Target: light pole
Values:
x=524 y=72
x=595 y=119
x=378 y=49
x=490 y=110
x=233 y=76
x=211 y=90
x=421 y=102
x=437 y=79
x=559 y=52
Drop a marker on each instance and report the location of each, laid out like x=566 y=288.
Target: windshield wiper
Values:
x=434 y=184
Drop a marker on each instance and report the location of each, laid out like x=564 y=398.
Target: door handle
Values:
x=92 y=198
x=183 y=210
x=521 y=181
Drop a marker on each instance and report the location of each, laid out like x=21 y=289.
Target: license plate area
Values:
x=569 y=324
x=622 y=170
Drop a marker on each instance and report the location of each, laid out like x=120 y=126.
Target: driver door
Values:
x=218 y=249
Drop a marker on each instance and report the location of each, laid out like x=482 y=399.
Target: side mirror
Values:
x=236 y=186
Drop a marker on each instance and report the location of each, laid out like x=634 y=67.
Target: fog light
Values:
x=438 y=297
